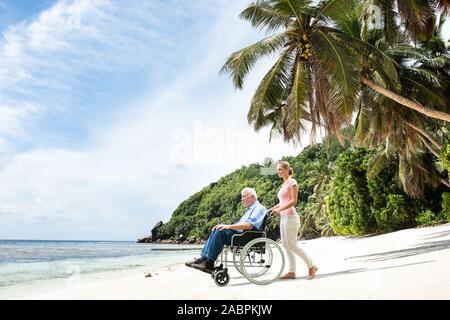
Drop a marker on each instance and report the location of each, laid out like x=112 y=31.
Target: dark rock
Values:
x=145 y=240
x=191 y=240
x=154 y=235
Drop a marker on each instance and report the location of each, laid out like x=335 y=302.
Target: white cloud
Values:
x=12 y=118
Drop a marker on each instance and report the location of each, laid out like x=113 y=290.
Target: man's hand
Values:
x=221 y=227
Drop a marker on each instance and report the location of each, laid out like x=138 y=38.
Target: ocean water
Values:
x=33 y=262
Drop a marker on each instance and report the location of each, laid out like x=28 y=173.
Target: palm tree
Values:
x=418 y=19
x=316 y=77
x=417 y=16
x=396 y=132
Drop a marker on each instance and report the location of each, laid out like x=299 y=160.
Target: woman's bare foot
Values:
x=312 y=271
x=289 y=275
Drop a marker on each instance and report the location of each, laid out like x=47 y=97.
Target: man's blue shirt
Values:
x=254 y=214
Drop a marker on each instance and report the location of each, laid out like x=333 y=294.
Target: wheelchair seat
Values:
x=240 y=240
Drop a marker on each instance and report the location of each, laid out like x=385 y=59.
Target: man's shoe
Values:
x=196 y=261
x=205 y=266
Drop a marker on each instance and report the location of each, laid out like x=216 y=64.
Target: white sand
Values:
x=407 y=264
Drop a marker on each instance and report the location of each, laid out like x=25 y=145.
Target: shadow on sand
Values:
x=333 y=274
x=426 y=247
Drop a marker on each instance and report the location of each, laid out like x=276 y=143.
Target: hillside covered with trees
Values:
x=341 y=191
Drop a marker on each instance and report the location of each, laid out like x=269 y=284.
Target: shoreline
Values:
x=406 y=264
x=78 y=276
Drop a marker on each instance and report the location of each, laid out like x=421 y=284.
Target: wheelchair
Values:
x=257 y=258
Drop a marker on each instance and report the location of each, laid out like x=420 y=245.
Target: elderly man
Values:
x=222 y=233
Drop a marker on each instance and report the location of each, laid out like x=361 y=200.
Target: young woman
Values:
x=289 y=221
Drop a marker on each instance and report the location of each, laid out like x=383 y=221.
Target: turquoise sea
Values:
x=36 y=262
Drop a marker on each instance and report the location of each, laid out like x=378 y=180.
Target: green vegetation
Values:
x=427 y=218
x=336 y=196
x=446 y=206
x=445 y=155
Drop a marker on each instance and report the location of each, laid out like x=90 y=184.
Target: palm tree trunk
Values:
x=405 y=101
x=426 y=135
x=445 y=182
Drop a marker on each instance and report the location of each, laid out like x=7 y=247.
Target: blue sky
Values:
x=113 y=112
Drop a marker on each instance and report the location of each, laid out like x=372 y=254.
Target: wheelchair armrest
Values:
x=240 y=240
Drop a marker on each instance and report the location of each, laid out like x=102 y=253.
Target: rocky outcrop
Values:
x=182 y=239
x=154 y=234
x=144 y=240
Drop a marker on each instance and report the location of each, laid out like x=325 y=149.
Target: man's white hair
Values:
x=249 y=191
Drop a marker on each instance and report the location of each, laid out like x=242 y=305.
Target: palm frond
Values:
x=377 y=163
x=390 y=17
x=363 y=118
x=297 y=101
x=407 y=51
x=416 y=15
x=274 y=117
x=415 y=170
x=339 y=64
x=269 y=94
x=361 y=129
x=262 y=15
x=443 y=5
x=324 y=106
x=297 y=9
x=427 y=75
x=367 y=51
x=240 y=62
x=436 y=62
x=332 y=9
x=427 y=94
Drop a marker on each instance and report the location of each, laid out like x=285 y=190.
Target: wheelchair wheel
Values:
x=262 y=261
x=249 y=262
x=221 y=278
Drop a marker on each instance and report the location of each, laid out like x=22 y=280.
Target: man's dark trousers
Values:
x=216 y=241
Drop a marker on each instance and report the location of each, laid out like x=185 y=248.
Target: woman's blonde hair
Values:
x=286 y=165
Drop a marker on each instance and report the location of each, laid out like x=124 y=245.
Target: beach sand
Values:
x=407 y=264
